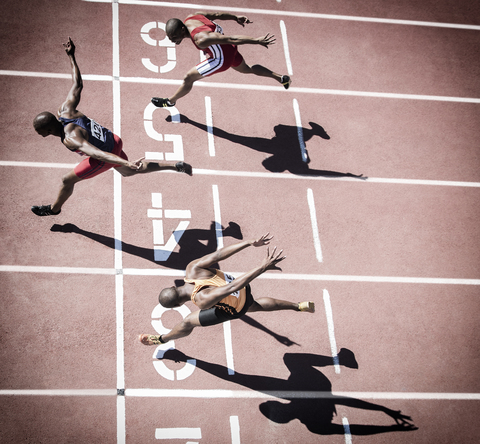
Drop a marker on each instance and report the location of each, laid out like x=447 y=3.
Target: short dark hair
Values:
x=44 y=120
x=173 y=25
x=168 y=297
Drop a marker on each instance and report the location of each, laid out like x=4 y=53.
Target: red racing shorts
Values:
x=223 y=57
x=90 y=167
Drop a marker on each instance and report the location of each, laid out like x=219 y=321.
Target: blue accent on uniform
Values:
x=86 y=124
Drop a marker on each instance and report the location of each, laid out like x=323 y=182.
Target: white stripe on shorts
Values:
x=209 y=66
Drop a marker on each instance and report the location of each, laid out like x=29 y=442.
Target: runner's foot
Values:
x=183 y=167
x=151 y=339
x=161 y=103
x=286 y=81
x=306 y=306
x=44 y=210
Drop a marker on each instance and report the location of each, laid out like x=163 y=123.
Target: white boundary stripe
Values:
x=263 y=88
x=346 y=427
x=331 y=330
x=273 y=276
x=313 y=218
x=239 y=394
x=198 y=7
x=265 y=175
x=251 y=394
x=288 y=61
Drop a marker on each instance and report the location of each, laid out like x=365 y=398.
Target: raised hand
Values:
x=69 y=47
x=264 y=240
x=267 y=40
x=138 y=165
x=271 y=261
x=242 y=20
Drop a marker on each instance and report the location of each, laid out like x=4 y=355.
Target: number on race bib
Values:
x=96 y=130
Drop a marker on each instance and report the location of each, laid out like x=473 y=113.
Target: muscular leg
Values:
x=148 y=167
x=270 y=304
x=258 y=70
x=66 y=190
x=190 y=78
x=180 y=330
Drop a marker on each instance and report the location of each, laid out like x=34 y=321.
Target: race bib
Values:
x=218 y=28
x=229 y=279
x=96 y=130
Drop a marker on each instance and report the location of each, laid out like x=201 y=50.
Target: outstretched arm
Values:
x=240 y=19
x=73 y=98
x=208 y=297
x=205 y=39
x=76 y=141
x=195 y=268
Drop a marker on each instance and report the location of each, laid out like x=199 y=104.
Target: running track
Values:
x=380 y=228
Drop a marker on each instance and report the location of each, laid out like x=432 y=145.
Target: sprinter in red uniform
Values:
x=221 y=51
x=86 y=137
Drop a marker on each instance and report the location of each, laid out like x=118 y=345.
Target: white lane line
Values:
x=235 y=429
x=313 y=218
x=265 y=175
x=217 y=217
x=379 y=279
x=298 y=121
x=62 y=270
x=203 y=7
x=117 y=217
x=178 y=433
x=288 y=61
x=37 y=164
x=227 y=328
x=52 y=75
x=296 y=89
x=60 y=392
x=244 y=394
x=209 y=121
x=252 y=394
x=121 y=420
x=346 y=427
x=263 y=88
x=227 y=334
x=331 y=330
x=273 y=276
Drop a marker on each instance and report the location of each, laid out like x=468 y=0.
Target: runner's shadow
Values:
x=316 y=413
x=282 y=339
x=193 y=244
x=283 y=147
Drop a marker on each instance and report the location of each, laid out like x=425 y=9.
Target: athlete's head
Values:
x=176 y=30
x=45 y=124
x=169 y=297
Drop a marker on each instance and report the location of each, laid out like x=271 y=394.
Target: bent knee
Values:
x=70 y=179
x=192 y=76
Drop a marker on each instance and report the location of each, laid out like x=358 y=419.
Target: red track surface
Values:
x=73 y=308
